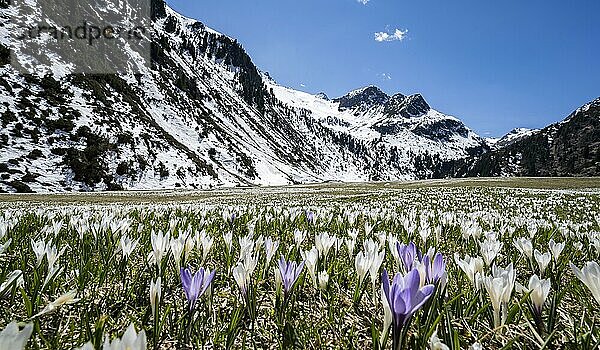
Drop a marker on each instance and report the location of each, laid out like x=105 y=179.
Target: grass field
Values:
x=311 y=192
x=487 y=263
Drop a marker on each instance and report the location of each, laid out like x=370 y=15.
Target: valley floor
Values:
x=350 y=192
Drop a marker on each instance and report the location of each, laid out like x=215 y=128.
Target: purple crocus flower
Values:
x=436 y=271
x=404 y=298
x=195 y=285
x=290 y=272
x=407 y=254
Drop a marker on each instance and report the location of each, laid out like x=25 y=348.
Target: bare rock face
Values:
x=363 y=98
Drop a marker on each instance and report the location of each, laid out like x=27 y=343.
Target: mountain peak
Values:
x=412 y=106
x=322 y=96
x=367 y=96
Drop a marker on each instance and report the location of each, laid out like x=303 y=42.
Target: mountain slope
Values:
x=568 y=148
x=405 y=123
x=203 y=115
x=512 y=137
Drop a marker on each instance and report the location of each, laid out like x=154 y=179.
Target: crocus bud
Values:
x=323 y=280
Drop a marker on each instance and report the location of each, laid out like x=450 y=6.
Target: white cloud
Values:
x=364 y=2
x=385 y=76
x=397 y=35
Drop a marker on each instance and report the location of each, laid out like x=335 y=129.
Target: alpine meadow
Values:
x=159 y=189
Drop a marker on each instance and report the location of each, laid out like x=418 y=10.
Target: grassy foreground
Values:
x=82 y=268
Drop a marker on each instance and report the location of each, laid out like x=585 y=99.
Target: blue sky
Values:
x=496 y=65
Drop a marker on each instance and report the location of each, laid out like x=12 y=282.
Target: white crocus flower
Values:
x=207 y=242
x=362 y=263
x=278 y=280
x=350 y=245
x=160 y=246
x=595 y=241
x=324 y=242
x=3 y=228
x=52 y=254
x=470 y=266
x=39 y=249
x=177 y=247
x=556 y=249
x=590 y=276
x=188 y=245
x=424 y=232
x=299 y=237
x=494 y=287
x=371 y=247
x=270 y=249
x=368 y=228
x=376 y=260
x=543 y=260
x=246 y=245
x=323 y=280
x=311 y=259
x=540 y=289
x=532 y=227
x=249 y=260
x=387 y=316
x=524 y=246
x=11 y=338
x=500 y=287
x=130 y=341
x=437 y=230
x=155 y=294
x=127 y=246
x=436 y=344
x=241 y=277
x=65 y=299
x=472 y=229
x=392 y=240
x=381 y=237
x=475 y=346
x=422 y=269
x=228 y=239
x=15 y=277
x=4 y=246
x=489 y=250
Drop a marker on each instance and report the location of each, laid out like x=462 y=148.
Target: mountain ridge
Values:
x=203 y=115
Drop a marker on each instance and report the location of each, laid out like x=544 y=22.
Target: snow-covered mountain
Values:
x=512 y=137
x=405 y=123
x=203 y=115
